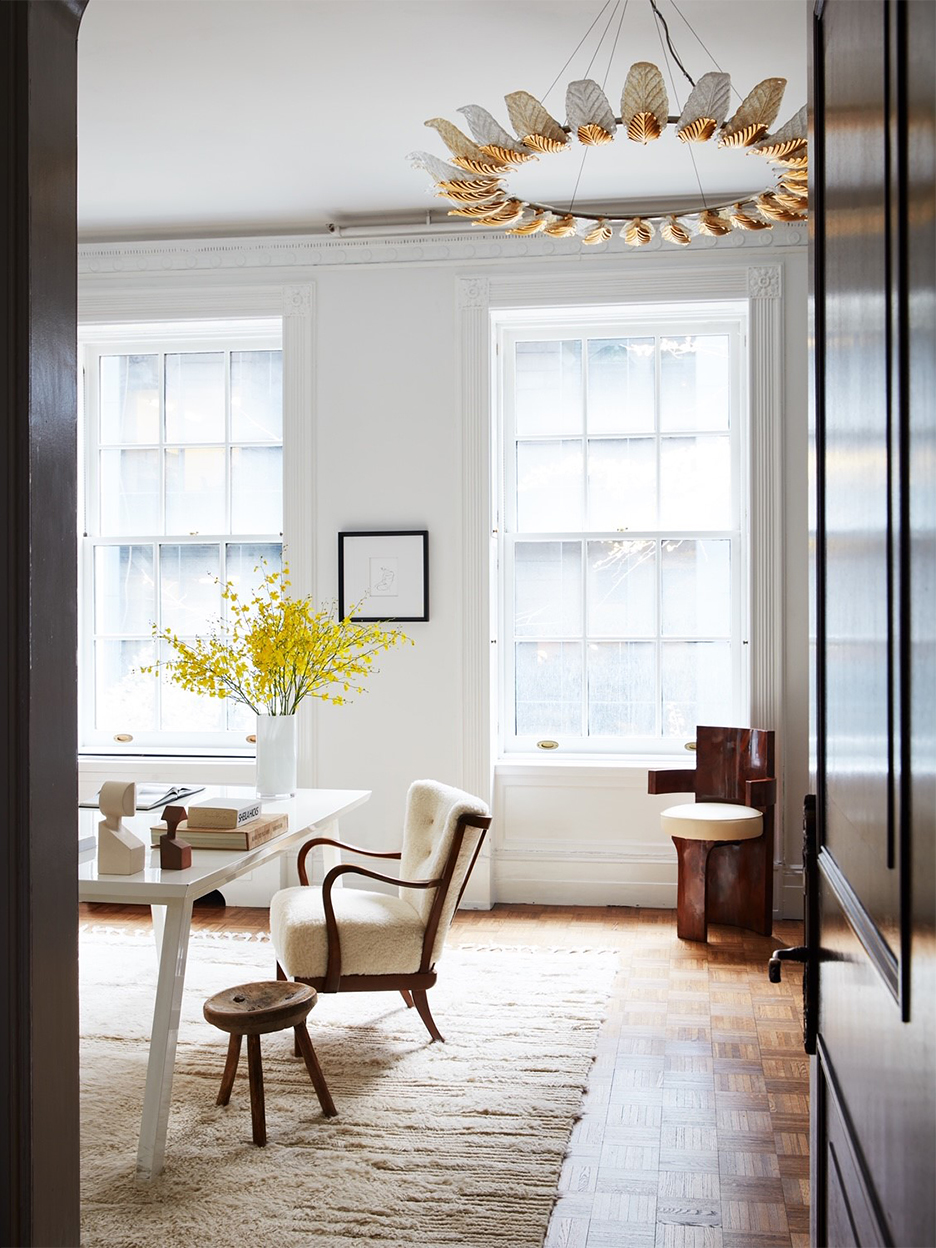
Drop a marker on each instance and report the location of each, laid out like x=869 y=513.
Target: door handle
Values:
x=809 y=953
x=796 y=953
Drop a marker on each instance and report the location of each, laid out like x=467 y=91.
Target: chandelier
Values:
x=475 y=181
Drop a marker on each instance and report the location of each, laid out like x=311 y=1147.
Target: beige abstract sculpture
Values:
x=119 y=851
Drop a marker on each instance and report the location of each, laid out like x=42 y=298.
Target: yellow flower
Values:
x=274 y=651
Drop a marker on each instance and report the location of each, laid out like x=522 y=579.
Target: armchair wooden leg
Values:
x=405 y=994
x=422 y=1005
x=315 y=1071
x=230 y=1069
x=691 y=920
x=257 y=1107
x=281 y=974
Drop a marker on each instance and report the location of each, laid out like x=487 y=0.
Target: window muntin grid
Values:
x=621 y=550
x=183 y=445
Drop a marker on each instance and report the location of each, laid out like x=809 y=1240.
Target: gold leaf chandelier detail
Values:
x=475 y=182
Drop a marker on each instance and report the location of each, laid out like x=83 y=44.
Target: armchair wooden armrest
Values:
x=671 y=780
x=327 y=840
x=761 y=792
x=333 y=966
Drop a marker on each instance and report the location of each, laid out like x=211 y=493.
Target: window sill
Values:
x=165 y=754
x=520 y=764
x=171 y=768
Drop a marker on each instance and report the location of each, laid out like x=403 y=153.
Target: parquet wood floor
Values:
x=695 y=1125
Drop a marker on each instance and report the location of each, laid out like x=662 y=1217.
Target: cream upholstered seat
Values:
x=712 y=821
x=352 y=940
x=380 y=935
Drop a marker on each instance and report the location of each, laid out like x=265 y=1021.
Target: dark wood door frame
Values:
x=871 y=964
x=38 y=570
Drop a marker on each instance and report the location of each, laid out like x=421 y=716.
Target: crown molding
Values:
x=205 y=255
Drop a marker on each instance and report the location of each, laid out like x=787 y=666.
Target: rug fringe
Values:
x=239 y=937
x=590 y=949
x=196 y=934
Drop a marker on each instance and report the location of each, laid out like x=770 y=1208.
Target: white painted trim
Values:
x=767 y=617
x=180 y=257
x=587 y=851
x=474 y=616
x=595 y=882
x=789 y=896
x=93 y=769
x=590 y=772
x=132 y=297
x=598 y=877
x=761 y=288
x=297 y=309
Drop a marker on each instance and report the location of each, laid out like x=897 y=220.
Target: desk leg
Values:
x=159 y=927
x=165 y=1035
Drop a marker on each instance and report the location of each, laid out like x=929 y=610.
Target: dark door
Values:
x=874 y=732
x=39 y=1167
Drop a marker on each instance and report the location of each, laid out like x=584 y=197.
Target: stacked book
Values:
x=226 y=823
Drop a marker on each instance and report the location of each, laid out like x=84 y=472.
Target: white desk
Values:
x=172 y=895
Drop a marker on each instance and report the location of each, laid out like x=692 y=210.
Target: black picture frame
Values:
x=384 y=568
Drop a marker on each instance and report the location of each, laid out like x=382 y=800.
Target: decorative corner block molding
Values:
x=474 y=292
x=764 y=283
x=297 y=301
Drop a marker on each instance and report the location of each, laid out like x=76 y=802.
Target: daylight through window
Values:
x=183 y=448
x=622 y=552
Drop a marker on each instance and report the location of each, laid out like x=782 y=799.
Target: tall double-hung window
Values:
x=621 y=530
x=182 y=441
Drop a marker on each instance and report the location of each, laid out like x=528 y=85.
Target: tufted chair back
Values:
x=432 y=814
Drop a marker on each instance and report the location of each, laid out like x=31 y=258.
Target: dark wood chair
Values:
x=725 y=880
x=352 y=940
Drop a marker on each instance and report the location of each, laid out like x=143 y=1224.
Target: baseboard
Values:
x=639 y=880
x=540 y=879
x=788 y=893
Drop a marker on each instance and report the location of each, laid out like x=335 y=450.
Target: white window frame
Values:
x=676 y=320
x=96 y=341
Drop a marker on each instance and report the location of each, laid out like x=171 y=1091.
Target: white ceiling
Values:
x=248 y=116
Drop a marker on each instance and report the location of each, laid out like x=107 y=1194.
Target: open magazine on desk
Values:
x=151 y=795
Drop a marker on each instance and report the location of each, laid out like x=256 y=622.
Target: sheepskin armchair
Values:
x=353 y=940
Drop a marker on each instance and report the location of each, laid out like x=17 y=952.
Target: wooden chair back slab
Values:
x=735 y=884
x=726 y=758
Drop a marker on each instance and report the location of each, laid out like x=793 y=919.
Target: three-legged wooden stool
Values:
x=254 y=1010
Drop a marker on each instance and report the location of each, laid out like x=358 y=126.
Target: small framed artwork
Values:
x=384 y=576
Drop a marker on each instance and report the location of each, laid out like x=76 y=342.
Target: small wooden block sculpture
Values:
x=119 y=851
x=174 y=855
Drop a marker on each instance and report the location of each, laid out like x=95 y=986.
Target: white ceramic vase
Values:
x=276 y=755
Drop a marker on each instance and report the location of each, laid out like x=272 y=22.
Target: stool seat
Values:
x=257 y=1009
x=712 y=821
x=254 y=1010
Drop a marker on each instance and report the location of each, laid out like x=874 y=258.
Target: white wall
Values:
x=385 y=450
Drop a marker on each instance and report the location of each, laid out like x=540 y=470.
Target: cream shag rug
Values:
x=456 y=1144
